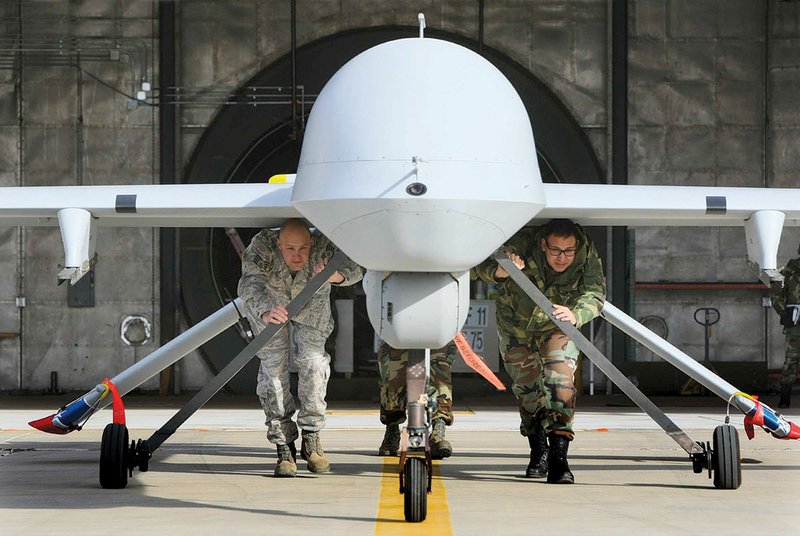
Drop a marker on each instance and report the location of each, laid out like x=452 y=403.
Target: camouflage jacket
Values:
x=581 y=287
x=789 y=294
x=267 y=282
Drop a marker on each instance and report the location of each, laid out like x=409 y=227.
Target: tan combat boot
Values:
x=287 y=467
x=440 y=447
x=391 y=441
x=311 y=451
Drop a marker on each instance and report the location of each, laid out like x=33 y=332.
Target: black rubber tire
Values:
x=726 y=459
x=114 y=457
x=415 y=475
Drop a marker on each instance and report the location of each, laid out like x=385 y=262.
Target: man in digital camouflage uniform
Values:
x=782 y=300
x=275 y=268
x=392 y=365
x=562 y=261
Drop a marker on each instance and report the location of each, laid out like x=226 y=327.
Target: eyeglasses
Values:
x=556 y=252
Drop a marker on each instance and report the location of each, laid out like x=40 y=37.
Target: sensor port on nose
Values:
x=416 y=188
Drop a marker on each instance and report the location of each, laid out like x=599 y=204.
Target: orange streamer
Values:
x=117 y=406
x=475 y=362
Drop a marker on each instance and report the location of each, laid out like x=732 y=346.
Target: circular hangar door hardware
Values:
x=416 y=188
x=135 y=330
x=657 y=324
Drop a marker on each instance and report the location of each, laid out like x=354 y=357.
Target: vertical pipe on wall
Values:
x=153 y=161
x=619 y=291
x=766 y=156
x=177 y=313
x=765 y=152
x=607 y=327
x=20 y=182
x=480 y=26
x=79 y=134
x=167 y=175
x=295 y=130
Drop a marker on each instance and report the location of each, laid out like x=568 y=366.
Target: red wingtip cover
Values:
x=45 y=424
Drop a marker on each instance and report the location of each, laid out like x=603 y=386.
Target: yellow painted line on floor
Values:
x=391 y=519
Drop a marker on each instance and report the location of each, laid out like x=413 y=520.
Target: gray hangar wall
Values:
x=712 y=91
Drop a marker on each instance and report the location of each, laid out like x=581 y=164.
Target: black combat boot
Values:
x=786 y=395
x=537 y=468
x=558 y=470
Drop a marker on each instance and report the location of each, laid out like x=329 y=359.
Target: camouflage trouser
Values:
x=313 y=371
x=392 y=366
x=542 y=369
x=791 y=364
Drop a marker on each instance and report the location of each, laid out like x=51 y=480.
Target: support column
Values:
x=619 y=269
x=167 y=175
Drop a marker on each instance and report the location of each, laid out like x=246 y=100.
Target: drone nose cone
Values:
x=418 y=156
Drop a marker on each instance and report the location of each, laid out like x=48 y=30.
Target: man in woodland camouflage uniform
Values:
x=275 y=268
x=562 y=261
x=783 y=298
x=392 y=364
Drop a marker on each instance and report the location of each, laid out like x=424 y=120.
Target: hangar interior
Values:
x=673 y=92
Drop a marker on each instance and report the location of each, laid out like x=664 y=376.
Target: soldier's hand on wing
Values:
x=335 y=278
x=276 y=315
x=563 y=313
x=500 y=273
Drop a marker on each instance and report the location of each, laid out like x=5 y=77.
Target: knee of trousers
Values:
x=273 y=382
x=313 y=360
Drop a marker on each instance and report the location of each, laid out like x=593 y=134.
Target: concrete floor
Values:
x=214 y=477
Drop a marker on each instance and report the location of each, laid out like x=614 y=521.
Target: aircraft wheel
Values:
x=415 y=474
x=114 y=457
x=726 y=458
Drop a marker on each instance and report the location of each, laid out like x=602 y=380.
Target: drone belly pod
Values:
x=417 y=309
x=418 y=157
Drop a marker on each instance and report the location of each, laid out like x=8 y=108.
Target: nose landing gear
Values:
x=416 y=468
x=416 y=474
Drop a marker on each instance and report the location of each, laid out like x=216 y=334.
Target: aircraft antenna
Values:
x=421 y=18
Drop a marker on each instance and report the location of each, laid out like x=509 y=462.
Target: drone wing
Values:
x=79 y=210
x=763 y=212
